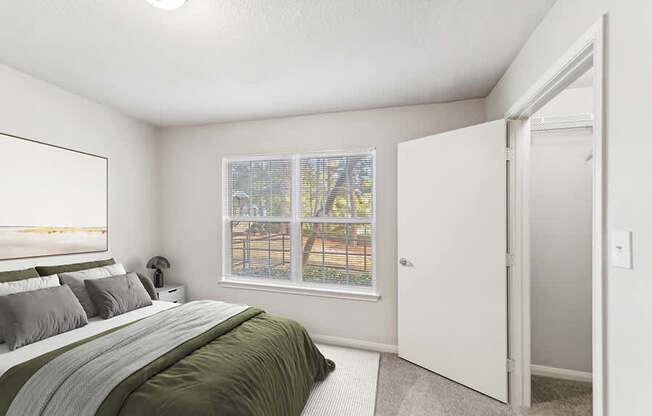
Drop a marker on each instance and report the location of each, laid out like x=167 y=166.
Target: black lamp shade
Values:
x=158 y=263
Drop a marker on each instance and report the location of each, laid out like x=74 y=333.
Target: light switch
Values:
x=621 y=249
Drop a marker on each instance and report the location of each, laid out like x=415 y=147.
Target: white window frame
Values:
x=295 y=285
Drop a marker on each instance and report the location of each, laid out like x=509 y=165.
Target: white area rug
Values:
x=350 y=389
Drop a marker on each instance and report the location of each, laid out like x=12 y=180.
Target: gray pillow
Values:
x=28 y=317
x=26 y=285
x=116 y=295
x=76 y=282
x=148 y=285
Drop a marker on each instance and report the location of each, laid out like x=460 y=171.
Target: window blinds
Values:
x=260 y=188
x=308 y=219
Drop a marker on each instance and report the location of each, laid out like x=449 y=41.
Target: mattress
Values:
x=95 y=326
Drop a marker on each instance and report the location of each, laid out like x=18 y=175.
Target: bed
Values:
x=199 y=358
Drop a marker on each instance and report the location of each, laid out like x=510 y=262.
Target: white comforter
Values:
x=95 y=326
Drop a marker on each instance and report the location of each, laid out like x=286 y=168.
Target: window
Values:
x=301 y=220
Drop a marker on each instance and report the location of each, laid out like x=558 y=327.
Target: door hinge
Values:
x=510 y=365
x=509 y=259
x=509 y=154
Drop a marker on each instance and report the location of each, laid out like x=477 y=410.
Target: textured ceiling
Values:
x=221 y=60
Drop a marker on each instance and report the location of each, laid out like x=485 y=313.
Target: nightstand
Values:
x=172 y=293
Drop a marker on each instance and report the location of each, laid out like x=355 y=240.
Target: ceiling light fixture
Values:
x=167 y=4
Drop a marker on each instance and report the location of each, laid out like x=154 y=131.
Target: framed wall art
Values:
x=54 y=200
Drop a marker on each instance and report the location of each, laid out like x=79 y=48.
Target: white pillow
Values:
x=115 y=269
x=98 y=272
x=27 y=285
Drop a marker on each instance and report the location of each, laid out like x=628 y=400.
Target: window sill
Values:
x=326 y=292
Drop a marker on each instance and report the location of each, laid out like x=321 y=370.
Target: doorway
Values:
x=544 y=145
x=560 y=213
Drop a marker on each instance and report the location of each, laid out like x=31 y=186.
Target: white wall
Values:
x=570 y=102
x=191 y=208
x=560 y=219
x=629 y=170
x=35 y=109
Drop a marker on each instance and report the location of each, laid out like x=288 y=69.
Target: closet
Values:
x=561 y=177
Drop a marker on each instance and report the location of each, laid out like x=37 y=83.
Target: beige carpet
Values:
x=554 y=397
x=350 y=389
x=405 y=389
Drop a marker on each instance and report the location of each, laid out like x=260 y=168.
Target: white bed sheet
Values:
x=95 y=326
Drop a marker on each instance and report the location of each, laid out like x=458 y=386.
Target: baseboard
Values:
x=562 y=373
x=354 y=343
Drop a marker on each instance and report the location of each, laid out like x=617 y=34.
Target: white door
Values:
x=452 y=231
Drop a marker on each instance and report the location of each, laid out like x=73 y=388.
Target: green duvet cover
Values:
x=251 y=364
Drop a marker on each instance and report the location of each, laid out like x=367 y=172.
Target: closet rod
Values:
x=561 y=122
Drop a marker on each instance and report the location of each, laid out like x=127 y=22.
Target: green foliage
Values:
x=318 y=274
x=319 y=178
x=280 y=272
x=260 y=187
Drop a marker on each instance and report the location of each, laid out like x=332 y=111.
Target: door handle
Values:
x=405 y=262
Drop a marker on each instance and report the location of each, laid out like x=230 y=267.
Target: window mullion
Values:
x=226 y=212
x=373 y=224
x=295 y=224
